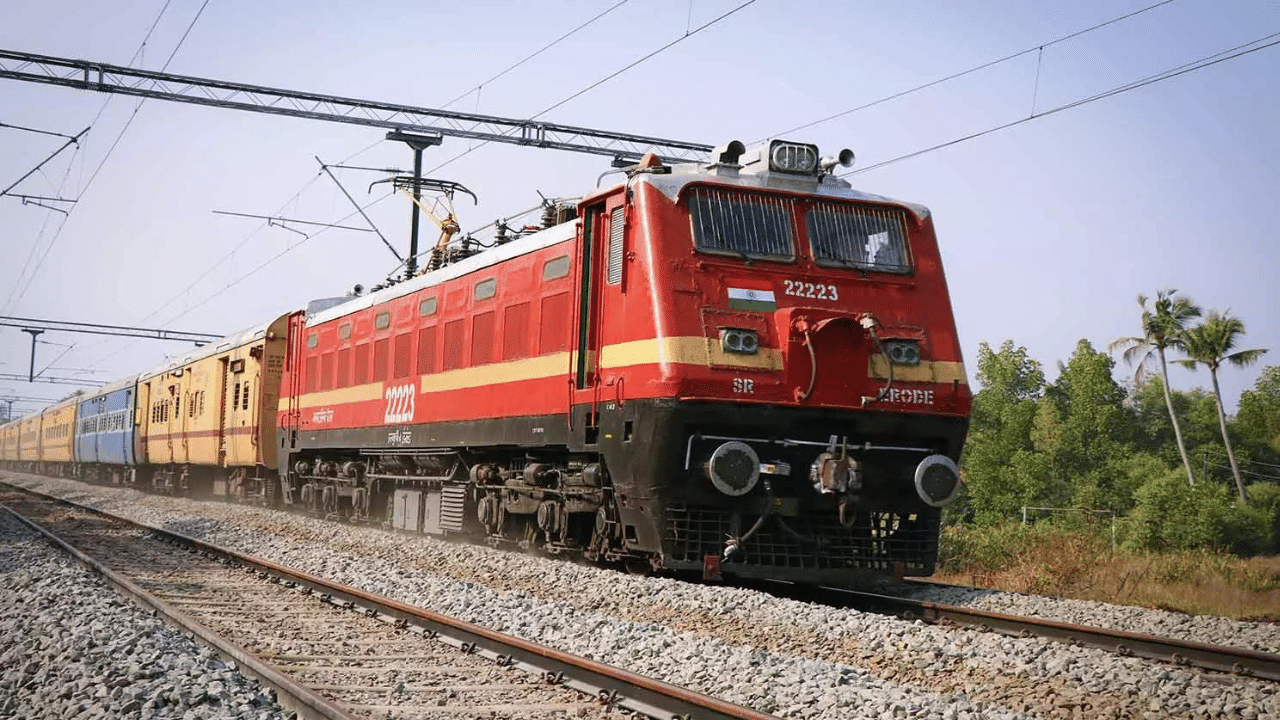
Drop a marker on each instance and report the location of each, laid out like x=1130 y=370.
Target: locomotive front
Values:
x=800 y=409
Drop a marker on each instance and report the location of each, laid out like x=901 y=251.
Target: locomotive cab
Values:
x=786 y=370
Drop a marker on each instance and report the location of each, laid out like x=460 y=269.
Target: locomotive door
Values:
x=600 y=262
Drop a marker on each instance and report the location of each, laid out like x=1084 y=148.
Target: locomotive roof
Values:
x=829 y=186
x=527 y=244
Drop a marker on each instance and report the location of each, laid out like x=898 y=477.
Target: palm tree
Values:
x=1162 y=328
x=1210 y=344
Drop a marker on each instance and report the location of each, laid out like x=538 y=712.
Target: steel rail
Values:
x=289 y=694
x=1220 y=658
x=611 y=685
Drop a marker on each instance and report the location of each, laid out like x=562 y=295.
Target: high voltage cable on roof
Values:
x=1200 y=64
x=976 y=68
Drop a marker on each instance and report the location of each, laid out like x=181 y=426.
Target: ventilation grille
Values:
x=615 y=247
x=874 y=541
x=453 y=507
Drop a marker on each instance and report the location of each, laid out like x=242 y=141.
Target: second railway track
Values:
x=331 y=651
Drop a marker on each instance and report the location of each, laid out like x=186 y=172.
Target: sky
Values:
x=1049 y=228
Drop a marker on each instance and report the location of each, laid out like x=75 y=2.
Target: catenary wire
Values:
x=539 y=51
x=311 y=182
x=58 y=233
x=97 y=116
x=1200 y=64
x=970 y=71
x=605 y=79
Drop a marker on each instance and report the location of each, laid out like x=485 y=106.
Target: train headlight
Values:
x=902 y=352
x=937 y=480
x=734 y=468
x=789 y=157
x=734 y=340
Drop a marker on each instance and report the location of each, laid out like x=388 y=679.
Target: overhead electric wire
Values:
x=273 y=258
x=33 y=130
x=1200 y=64
x=85 y=188
x=610 y=76
x=361 y=152
x=974 y=69
x=538 y=52
x=97 y=116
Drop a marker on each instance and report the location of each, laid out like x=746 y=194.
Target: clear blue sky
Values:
x=1049 y=229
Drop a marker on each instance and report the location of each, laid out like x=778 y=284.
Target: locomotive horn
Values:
x=844 y=159
x=728 y=153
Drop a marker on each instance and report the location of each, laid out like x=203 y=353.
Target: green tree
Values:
x=1162 y=329
x=1094 y=430
x=1258 y=418
x=1004 y=413
x=1210 y=344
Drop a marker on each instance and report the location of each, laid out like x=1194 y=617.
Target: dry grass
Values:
x=1082 y=565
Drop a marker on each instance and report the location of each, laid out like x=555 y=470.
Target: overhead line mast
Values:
x=102 y=77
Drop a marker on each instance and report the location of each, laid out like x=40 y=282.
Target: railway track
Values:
x=334 y=652
x=1219 y=658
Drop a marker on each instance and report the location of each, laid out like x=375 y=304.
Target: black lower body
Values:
x=629 y=482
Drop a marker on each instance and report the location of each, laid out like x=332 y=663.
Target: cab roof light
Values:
x=794 y=158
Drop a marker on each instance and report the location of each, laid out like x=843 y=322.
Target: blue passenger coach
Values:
x=104 y=433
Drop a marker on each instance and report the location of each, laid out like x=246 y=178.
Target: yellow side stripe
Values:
x=699 y=351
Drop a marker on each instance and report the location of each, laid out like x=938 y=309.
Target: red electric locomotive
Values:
x=744 y=368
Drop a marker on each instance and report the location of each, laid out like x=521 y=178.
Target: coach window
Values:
x=486 y=289
x=382 y=320
x=555 y=268
x=344 y=331
x=313 y=340
x=428 y=306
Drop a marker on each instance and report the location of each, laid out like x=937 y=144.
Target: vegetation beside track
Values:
x=1080 y=563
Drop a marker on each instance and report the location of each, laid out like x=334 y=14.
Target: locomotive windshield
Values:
x=752 y=226
x=861 y=237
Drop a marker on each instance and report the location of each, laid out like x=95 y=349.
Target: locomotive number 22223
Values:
x=400 y=403
x=818 y=291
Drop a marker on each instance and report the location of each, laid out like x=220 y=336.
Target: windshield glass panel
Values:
x=861 y=237
x=756 y=226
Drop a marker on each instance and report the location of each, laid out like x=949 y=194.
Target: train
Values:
x=742 y=368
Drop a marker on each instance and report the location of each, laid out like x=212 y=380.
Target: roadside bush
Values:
x=1170 y=515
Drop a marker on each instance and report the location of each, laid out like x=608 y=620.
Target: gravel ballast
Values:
x=789 y=658
x=71 y=647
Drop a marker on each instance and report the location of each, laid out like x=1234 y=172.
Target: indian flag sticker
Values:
x=748 y=299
